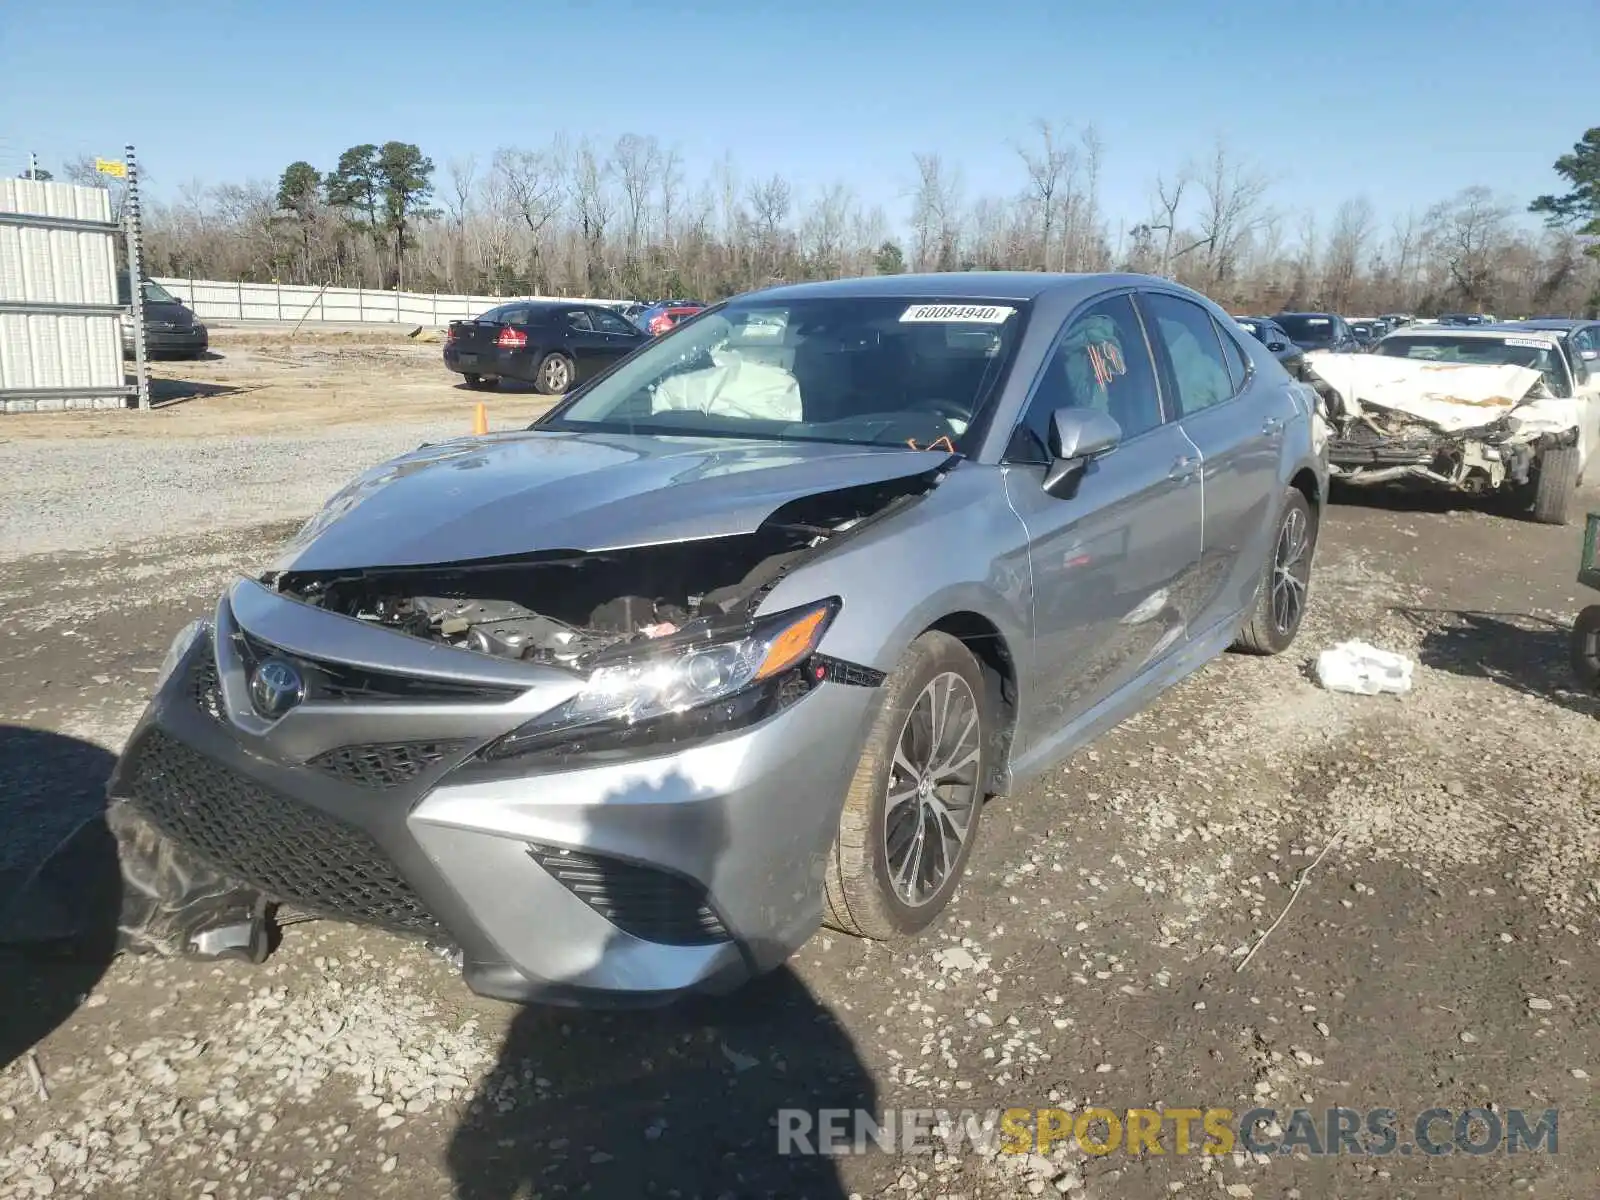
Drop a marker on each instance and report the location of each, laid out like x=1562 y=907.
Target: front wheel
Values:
x=911 y=815
x=1286 y=585
x=555 y=375
x=1555 y=486
x=1585 y=648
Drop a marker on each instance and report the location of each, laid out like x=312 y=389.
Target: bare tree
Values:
x=936 y=214
x=1050 y=169
x=1231 y=209
x=590 y=186
x=635 y=161
x=1160 y=232
x=770 y=202
x=1347 y=244
x=1472 y=230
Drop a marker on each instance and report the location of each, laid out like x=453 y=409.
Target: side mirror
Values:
x=1077 y=435
x=1589 y=355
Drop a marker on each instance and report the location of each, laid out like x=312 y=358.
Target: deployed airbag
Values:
x=735 y=386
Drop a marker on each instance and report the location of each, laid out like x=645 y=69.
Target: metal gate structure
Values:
x=60 y=323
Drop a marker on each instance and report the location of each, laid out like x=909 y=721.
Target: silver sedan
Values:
x=740 y=639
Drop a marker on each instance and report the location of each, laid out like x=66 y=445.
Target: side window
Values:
x=1101 y=361
x=1190 y=338
x=1238 y=364
x=609 y=322
x=514 y=316
x=580 y=320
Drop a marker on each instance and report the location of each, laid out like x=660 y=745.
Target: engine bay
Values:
x=563 y=608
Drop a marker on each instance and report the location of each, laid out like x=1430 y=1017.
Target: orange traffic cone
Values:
x=480 y=418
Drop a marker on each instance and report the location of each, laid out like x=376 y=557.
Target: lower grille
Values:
x=288 y=850
x=654 y=905
x=204 y=687
x=383 y=765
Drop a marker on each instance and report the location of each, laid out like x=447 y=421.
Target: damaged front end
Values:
x=1462 y=428
x=228 y=812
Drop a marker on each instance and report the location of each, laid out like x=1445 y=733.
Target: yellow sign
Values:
x=110 y=166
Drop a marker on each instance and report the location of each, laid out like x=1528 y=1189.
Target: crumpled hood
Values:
x=1452 y=397
x=518 y=493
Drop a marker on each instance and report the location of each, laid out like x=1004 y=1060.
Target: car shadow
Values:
x=60 y=886
x=506 y=387
x=672 y=1101
x=1425 y=500
x=1526 y=653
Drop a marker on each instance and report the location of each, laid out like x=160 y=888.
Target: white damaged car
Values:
x=1476 y=410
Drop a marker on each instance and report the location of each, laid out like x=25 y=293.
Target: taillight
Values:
x=511 y=339
x=449 y=334
x=659 y=325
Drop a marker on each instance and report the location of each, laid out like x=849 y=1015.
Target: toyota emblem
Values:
x=276 y=687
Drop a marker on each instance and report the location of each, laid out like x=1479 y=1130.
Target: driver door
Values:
x=1115 y=563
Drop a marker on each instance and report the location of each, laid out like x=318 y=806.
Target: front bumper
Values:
x=1450 y=462
x=614 y=883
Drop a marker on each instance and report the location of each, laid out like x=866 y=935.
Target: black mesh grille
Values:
x=656 y=906
x=290 y=851
x=203 y=684
x=384 y=765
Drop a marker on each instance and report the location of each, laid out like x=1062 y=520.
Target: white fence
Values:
x=220 y=301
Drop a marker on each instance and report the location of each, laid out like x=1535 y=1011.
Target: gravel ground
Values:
x=1442 y=953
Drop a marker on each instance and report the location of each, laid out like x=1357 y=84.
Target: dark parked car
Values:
x=546 y=343
x=171 y=330
x=1366 y=333
x=1318 y=331
x=1275 y=338
x=659 y=318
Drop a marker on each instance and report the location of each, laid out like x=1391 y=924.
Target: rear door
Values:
x=586 y=344
x=1236 y=416
x=1113 y=563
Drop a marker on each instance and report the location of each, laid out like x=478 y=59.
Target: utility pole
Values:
x=135 y=233
x=33 y=165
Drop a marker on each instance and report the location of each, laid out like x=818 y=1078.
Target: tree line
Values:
x=575 y=217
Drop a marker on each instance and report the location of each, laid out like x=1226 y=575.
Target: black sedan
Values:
x=1272 y=335
x=1318 y=331
x=546 y=343
x=171 y=329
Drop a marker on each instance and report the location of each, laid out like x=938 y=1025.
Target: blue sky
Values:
x=1404 y=101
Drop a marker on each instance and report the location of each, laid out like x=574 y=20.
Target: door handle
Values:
x=1272 y=425
x=1184 y=468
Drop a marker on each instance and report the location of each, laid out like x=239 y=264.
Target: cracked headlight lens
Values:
x=695 y=680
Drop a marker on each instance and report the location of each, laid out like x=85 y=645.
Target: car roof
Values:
x=1306 y=314
x=962 y=285
x=1470 y=331
x=1555 y=324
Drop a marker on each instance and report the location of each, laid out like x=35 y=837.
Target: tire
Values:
x=472 y=378
x=1585 y=648
x=861 y=896
x=555 y=374
x=1555 y=486
x=1280 y=603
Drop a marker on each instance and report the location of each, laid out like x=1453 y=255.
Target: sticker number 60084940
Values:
x=981 y=314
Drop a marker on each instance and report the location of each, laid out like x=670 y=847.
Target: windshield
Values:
x=154 y=293
x=869 y=370
x=1484 y=352
x=1307 y=329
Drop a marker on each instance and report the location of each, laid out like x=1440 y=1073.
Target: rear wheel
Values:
x=1281 y=601
x=1585 y=647
x=911 y=815
x=1556 y=484
x=555 y=374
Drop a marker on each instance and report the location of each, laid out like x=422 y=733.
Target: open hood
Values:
x=530 y=491
x=1451 y=397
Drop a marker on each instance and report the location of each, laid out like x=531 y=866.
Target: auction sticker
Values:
x=980 y=314
x=1528 y=343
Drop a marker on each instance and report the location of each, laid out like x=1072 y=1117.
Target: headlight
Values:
x=180 y=647
x=679 y=690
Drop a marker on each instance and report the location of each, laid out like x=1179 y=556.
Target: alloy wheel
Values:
x=1291 y=571
x=556 y=374
x=933 y=788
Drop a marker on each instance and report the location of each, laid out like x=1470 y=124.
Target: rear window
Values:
x=1308 y=329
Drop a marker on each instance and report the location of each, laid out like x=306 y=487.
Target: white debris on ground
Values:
x=1364 y=670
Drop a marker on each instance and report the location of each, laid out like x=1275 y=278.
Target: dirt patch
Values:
x=281 y=382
